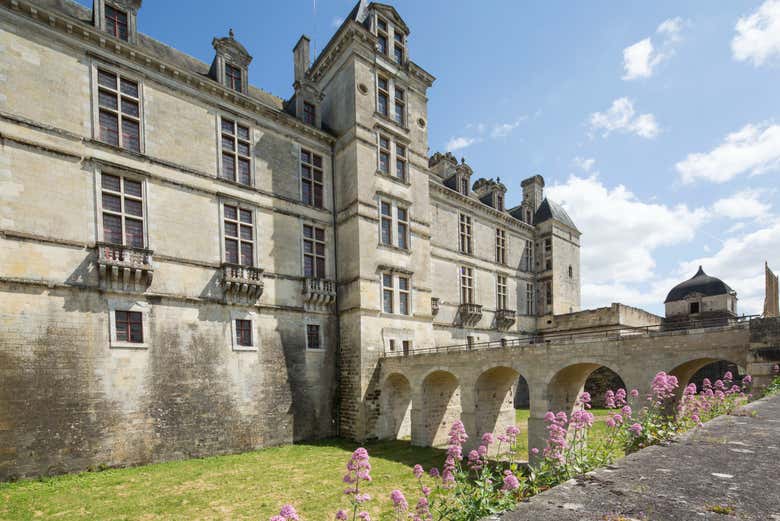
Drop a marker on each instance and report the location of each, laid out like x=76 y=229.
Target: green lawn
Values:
x=245 y=486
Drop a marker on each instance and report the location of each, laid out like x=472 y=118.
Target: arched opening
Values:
x=599 y=382
x=522 y=393
x=568 y=383
x=395 y=409
x=695 y=371
x=494 y=400
x=439 y=409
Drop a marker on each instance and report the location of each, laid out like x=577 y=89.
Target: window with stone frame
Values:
x=402 y=222
x=382 y=36
x=501 y=292
x=309 y=113
x=401 y=163
x=466 y=285
x=464 y=185
x=313 y=338
x=312 y=183
x=528 y=256
x=233 y=77
x=384 y=155
x=243 y=332
x=500 y=246
x=388 y=293
x=129 y=326
x=466 y=245
x=404 y=304
x=529 y=298
x=122 y=210
x=313 y=252
x=406 y=346
x=117 y=22
x=239 y=233
x=386 y=224
x=119 y=110
x=399 y=112
x=236 y=149
x=399 y=48
x=548 y=290
x=383 y=96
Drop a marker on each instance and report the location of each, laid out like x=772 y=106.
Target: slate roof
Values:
x=552 y=210
x=700 y=283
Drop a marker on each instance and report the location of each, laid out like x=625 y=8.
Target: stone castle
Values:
x=190 y=265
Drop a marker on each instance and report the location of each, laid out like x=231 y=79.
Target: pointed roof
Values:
x=701 y=284
x=552 y=210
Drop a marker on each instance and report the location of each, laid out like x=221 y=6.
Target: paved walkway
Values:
x=727 y=469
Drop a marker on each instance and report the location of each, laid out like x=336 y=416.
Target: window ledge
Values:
x=236 y=183
x=383 y=314
x=404 y=251
x=129 y=345
x=245 y=349
x=393 y=122
x=395 y=179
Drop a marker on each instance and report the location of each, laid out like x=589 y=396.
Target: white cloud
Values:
x=740 y=264
x=758 y=35
x=746 y=204
x=586 y=164
x=482 y=132
x=458 y=143
x=621 y=117
x=641 y=58
x=620 y=234
x=754 y=149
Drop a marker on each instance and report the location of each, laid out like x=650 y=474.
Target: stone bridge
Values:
x=422 y=393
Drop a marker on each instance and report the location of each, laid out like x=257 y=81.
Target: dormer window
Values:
x=233 y=77
x=464 y=186
x=231 y=63
x=116 y=23
x=499 y=202
x=117 y=18
x=398 y=47
x=309 y=113
x=381 y=36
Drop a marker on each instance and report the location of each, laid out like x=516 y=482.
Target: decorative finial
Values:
x=462 y=160
x=231 y=34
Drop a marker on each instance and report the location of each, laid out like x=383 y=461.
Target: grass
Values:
x=245 y=486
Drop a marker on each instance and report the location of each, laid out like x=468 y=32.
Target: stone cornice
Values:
x=87 y=35
x=346 y=34
x=451 y=196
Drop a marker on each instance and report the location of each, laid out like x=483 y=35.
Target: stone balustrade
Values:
x=470 y=314
x=124 y=268
x=318 y=293
x=242 y=284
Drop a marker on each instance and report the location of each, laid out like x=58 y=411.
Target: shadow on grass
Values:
x=399 y=451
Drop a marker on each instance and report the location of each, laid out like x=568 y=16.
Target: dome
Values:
x=701 y=284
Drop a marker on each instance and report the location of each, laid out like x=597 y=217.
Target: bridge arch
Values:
x=687 y=371
x=395 y=408
x=494 y=393
x=565 y=386
x=439 y=406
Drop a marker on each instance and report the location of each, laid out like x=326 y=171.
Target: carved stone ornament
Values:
x=233 y=52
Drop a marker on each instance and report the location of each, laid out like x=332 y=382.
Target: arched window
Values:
x=571 y=272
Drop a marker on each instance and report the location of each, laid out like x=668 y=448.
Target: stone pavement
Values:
x=727 y=469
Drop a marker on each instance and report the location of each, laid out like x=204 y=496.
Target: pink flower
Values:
x=728 y=376
x=364 y=516
x=487 y=438
x=534 y=451
x=434 y=472
x=610 y=422
x=550 y=416
x=341 y=515
x=482 y=450
x=426 y=490
x=510 y=482
x=278 y=518
x=362 y=498
x=399 y=501
x=288 y=513
x=458 y=434
x=418 y=471
x=634 y=393
x=747 y=379
x=609 y=399
x=626 y=410
x=636 y=429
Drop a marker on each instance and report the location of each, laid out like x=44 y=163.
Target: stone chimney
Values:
x=302 y=57
x=533 y=191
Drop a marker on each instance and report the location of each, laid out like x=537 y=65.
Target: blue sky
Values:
x=656 y=124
